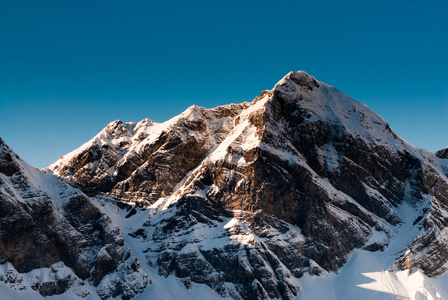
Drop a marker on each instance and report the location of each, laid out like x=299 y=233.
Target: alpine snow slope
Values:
x=302 y=193
x=54 y=240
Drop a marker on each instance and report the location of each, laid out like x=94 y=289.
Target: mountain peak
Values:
x=194 y=112
x=296 y=80
x=443 y=153
x=302 y=176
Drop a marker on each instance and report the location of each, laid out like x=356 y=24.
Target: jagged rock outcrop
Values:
x=54 y=233
x=235 y=253
x=289 y=184
x=141 y=162
x=443 y=153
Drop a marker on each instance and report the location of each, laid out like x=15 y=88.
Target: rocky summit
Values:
x=243 y=201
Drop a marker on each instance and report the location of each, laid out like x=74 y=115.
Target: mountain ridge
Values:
x=278 y=189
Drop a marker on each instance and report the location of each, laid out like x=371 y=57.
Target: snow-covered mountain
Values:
x=53 y=240
x=303 y=186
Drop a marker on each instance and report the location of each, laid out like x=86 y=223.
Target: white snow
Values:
x=161 y=287
x=40 y=185
x=171 y=288
x=22 y=287
x=367 y=275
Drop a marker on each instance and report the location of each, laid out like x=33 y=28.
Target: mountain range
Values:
x=303 y=193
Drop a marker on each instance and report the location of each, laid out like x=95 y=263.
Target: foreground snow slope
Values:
x=370 y=275
x=366 y=274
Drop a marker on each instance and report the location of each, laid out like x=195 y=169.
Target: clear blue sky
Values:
x=67 y=68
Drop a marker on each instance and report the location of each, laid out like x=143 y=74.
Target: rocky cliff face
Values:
x=52 y=234
x=246 y=198
x=141 y=162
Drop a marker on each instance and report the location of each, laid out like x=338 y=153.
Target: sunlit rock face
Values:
x=246 y=198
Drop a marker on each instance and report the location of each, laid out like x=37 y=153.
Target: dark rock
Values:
x=54 y=227
x=442 y=153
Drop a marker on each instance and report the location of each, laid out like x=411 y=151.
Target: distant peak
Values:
x=4 y=147
x=443 y=153
x=8 y=163
x=118 y=128
x=145 y=122
x=193 y=112
x=302 y=79
x=298 y=74
x=194 y=107
x=114 y=124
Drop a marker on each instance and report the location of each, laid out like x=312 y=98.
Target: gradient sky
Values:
x=68 y=68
